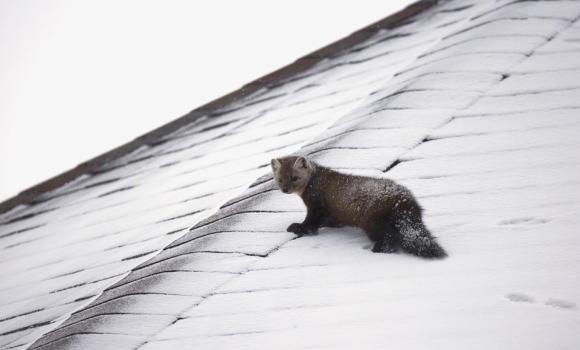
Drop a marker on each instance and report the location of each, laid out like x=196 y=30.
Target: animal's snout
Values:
x=285 y=189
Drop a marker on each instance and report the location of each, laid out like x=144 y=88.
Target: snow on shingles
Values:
x=529 y=158
x=382 y=55
x=566 y=41
x=538 y=82
x=477 y=82
x=504 y=44
x=496 y=142
x=95 y=341
x=349 y=159
x=492 y=181
x=526 y=120
x=119 y=246
x=500 y=27
x=363 y=337
x=433 y=99
x=409 y=126
x=100 y=226
x=537 y=100
x=424 y=96
x=487 y=63
x=518 y=198
x=544 y=62
x=513 y=10
x=562 y=49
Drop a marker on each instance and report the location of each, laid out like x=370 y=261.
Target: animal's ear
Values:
x=275 y=164
x=301 y=163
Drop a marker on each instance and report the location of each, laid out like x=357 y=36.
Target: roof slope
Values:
x=471 y=104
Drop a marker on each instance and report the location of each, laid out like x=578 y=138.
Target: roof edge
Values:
x=300 y=65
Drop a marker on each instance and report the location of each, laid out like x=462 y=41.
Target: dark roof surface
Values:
x=161 y=245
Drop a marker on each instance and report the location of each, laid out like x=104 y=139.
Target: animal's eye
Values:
x=294 y=178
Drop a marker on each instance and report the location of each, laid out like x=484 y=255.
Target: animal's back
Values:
x=356 y=200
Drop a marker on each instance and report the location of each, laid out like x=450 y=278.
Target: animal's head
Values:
x=292 y=173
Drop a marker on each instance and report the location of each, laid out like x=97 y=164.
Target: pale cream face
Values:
x=292 y=174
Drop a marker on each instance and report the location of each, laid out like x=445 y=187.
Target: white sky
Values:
x=79 y=77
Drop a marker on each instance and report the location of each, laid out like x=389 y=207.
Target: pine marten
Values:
x=385 y=210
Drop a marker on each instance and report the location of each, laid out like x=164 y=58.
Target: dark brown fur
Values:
x=386 y=211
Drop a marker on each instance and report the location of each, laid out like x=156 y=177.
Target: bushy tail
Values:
x=417 y=240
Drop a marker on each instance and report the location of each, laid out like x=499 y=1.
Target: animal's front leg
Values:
x=310 y=224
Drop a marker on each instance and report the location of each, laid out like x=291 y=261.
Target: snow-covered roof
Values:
x=178 y=239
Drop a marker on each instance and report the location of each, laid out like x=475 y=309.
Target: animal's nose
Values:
x=285 y=189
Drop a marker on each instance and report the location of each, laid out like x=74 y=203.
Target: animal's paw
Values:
x=301 y=229
x=295 y=228
x=383 y=248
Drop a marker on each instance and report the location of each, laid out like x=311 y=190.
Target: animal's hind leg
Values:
x=388 y=240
